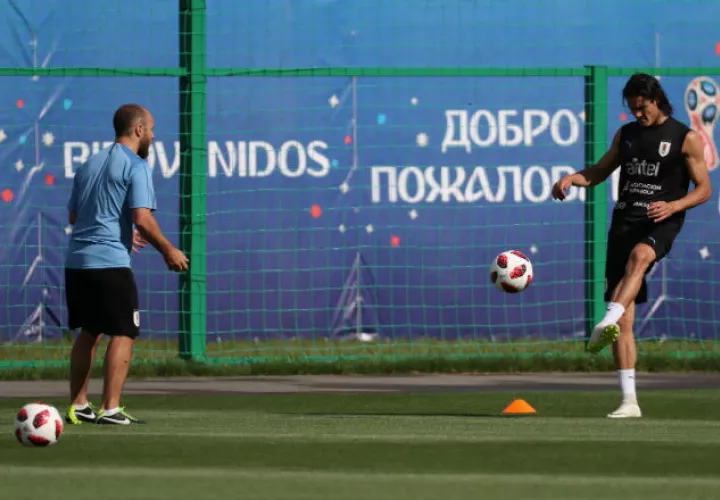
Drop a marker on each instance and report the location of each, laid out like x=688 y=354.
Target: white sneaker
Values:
x=626 y=410
x=602 y=335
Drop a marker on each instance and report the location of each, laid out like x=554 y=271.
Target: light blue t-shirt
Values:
x=105 y=190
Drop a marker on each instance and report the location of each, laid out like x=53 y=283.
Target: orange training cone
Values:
x=519 y=407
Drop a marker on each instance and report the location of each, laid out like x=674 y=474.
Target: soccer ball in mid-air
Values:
x=511 y=271
x=38 y=424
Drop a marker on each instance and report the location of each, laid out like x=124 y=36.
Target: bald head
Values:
x=127 y=117
x=134 y=126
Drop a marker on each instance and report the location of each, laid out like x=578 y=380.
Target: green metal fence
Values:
x=192 y=74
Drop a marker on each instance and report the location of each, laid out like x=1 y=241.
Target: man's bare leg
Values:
x=625 y=354
x=82 y=358
x=81 y=361
x=117 y=366
x=624 y=350
x=608 y=330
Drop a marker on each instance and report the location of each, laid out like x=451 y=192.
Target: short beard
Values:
x=144 y=149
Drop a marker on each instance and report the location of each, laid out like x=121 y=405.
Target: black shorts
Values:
x=103 y=301
x=623 y=237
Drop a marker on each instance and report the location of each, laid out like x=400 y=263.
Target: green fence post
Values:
x=193 y=178
x=596 y=203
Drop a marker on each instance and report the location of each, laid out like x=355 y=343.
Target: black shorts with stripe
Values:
x=103 y=301
x=623 y=237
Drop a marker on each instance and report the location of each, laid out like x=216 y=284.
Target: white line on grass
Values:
x=396 y=438
x=361 y=476
x=583 y=424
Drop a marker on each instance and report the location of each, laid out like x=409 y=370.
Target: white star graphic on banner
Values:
x=48 y=139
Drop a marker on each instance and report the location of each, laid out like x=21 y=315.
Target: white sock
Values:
x=627 y=385
x=80 y=407
x=111 y=411
x=613 y=313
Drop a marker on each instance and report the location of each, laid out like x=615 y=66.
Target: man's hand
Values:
x=661 y=210
x=138 y=241
x=148 y=227
x=176 y=260
x=562 y=185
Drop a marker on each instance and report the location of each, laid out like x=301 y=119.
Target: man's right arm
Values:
x=596 y=174
x=593 y=175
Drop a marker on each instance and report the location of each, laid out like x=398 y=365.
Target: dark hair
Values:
x=647 y=87
x=125 y=118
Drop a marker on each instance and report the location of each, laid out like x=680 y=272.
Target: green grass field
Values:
x=159 y=358
x=369 y=446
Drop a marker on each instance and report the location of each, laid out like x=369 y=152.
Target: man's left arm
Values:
x=693 y=150
x=142 y=194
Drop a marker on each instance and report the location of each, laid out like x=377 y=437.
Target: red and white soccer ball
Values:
x=511 y=271
x=38 y=424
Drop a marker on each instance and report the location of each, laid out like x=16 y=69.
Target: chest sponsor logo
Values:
x=645 y=168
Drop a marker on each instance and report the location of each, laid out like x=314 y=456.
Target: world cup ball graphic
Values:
x=702 y=99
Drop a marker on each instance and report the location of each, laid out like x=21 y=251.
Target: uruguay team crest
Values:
x=664 y=148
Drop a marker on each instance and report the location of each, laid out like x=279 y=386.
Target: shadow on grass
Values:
x=402 y=414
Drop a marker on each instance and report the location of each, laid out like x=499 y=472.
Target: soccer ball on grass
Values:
x=38 y=424
x=511 y=271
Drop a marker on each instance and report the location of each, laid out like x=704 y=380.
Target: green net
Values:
x=61 y=124
x=357 y=256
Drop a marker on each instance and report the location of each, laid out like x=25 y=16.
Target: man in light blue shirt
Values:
x=105 y=191
x=111 y=191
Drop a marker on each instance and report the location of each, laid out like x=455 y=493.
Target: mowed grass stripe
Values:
x=671 y=459
x=244 y=425
x=272 y=474
x=242 y=418
x=136 y=433
x=163 y=417
x=278 y=484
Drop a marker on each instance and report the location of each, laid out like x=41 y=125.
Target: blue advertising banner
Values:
x=362 y=204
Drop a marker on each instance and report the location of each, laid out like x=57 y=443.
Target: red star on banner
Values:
x=316 y=211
